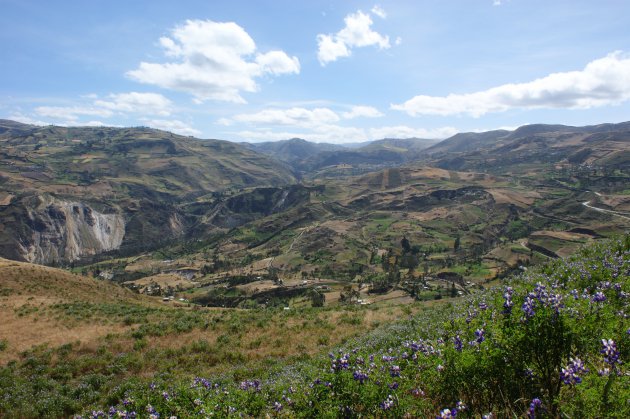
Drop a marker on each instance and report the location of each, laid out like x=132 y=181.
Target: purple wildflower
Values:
x=458 y=343
x=507 y=305
x=360 y=376
x=528 y=306
x=531 y=412
x=479 y=335
x=447 y=414
x=569 y=374
x=388 y=403
x=599 y=297
x=610 y=352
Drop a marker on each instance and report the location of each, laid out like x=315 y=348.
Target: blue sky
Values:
x=333 y=71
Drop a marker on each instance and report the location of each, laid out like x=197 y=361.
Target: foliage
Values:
x=553 y=342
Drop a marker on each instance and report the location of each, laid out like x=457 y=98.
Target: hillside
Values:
x=313 y=160
x=31 y=298
x=73 y=193
x=549 y=342
x=294 y=151
x=600 y=146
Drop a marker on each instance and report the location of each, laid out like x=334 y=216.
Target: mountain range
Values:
x=76 y=194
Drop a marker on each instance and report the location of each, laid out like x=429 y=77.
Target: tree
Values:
x=406 y=246
x=456 y=244
x=317 y=298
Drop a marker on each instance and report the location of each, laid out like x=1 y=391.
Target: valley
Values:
x=134 y=256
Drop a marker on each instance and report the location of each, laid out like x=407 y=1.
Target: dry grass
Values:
x=27 y=291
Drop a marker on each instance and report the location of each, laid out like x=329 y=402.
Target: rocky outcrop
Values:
x=55 y=231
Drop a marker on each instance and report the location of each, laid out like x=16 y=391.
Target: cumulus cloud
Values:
x=357 y=32
x=19 y=117
x=213 y=61
x=605 y=81
x=344 y=135
x=148 y=103
x=172 y=125
x=72 y=113
x=378 y=11
x=362 y=112
x=402 y=131
x=325 y=133
x=300 y=117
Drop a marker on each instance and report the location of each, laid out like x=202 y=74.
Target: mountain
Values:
x=70 y=193
x=321 y=159
x=294 y=151
x=599 y=145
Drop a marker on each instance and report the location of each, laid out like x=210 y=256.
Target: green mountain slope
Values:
x=69 y=193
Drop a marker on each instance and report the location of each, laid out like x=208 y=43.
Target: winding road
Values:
x=587 y=204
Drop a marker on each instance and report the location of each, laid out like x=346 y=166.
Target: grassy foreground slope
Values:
x=553 y=342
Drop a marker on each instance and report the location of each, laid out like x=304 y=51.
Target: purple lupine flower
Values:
x=479 y=335
x=569 y=374
x=483 y=305
x=388 y=403
x=507 y=305
x=360 y=376
x=394 y=371
x=277 y=406
x=528 y=307
x=416 y=392
x=531 y=412
x=393 y=385
x=457 y=341
x=555 y=301
x=599 y=297
x=610 y=352
x=447 y=414
x=460 y=406
x=166 y=396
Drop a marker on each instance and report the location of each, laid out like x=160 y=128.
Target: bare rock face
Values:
x=60 y=230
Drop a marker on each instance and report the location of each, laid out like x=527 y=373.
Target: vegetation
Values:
x=550 y=342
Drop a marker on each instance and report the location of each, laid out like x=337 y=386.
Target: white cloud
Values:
x=332 y=133
x=357 y=32
x=213 y=61
x=119 y=103
x=225 y=122
x=147 y=103
x=378 y=11
x=94 y=124
x=71 y=114
x=27 y=119
x=175 y=126
x=362 y=111
x=325 y=133
x=402 y=131
x=605 y=81
x=277 y=62
x=299 y=117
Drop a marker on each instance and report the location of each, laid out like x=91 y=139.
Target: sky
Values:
x=326 y=71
